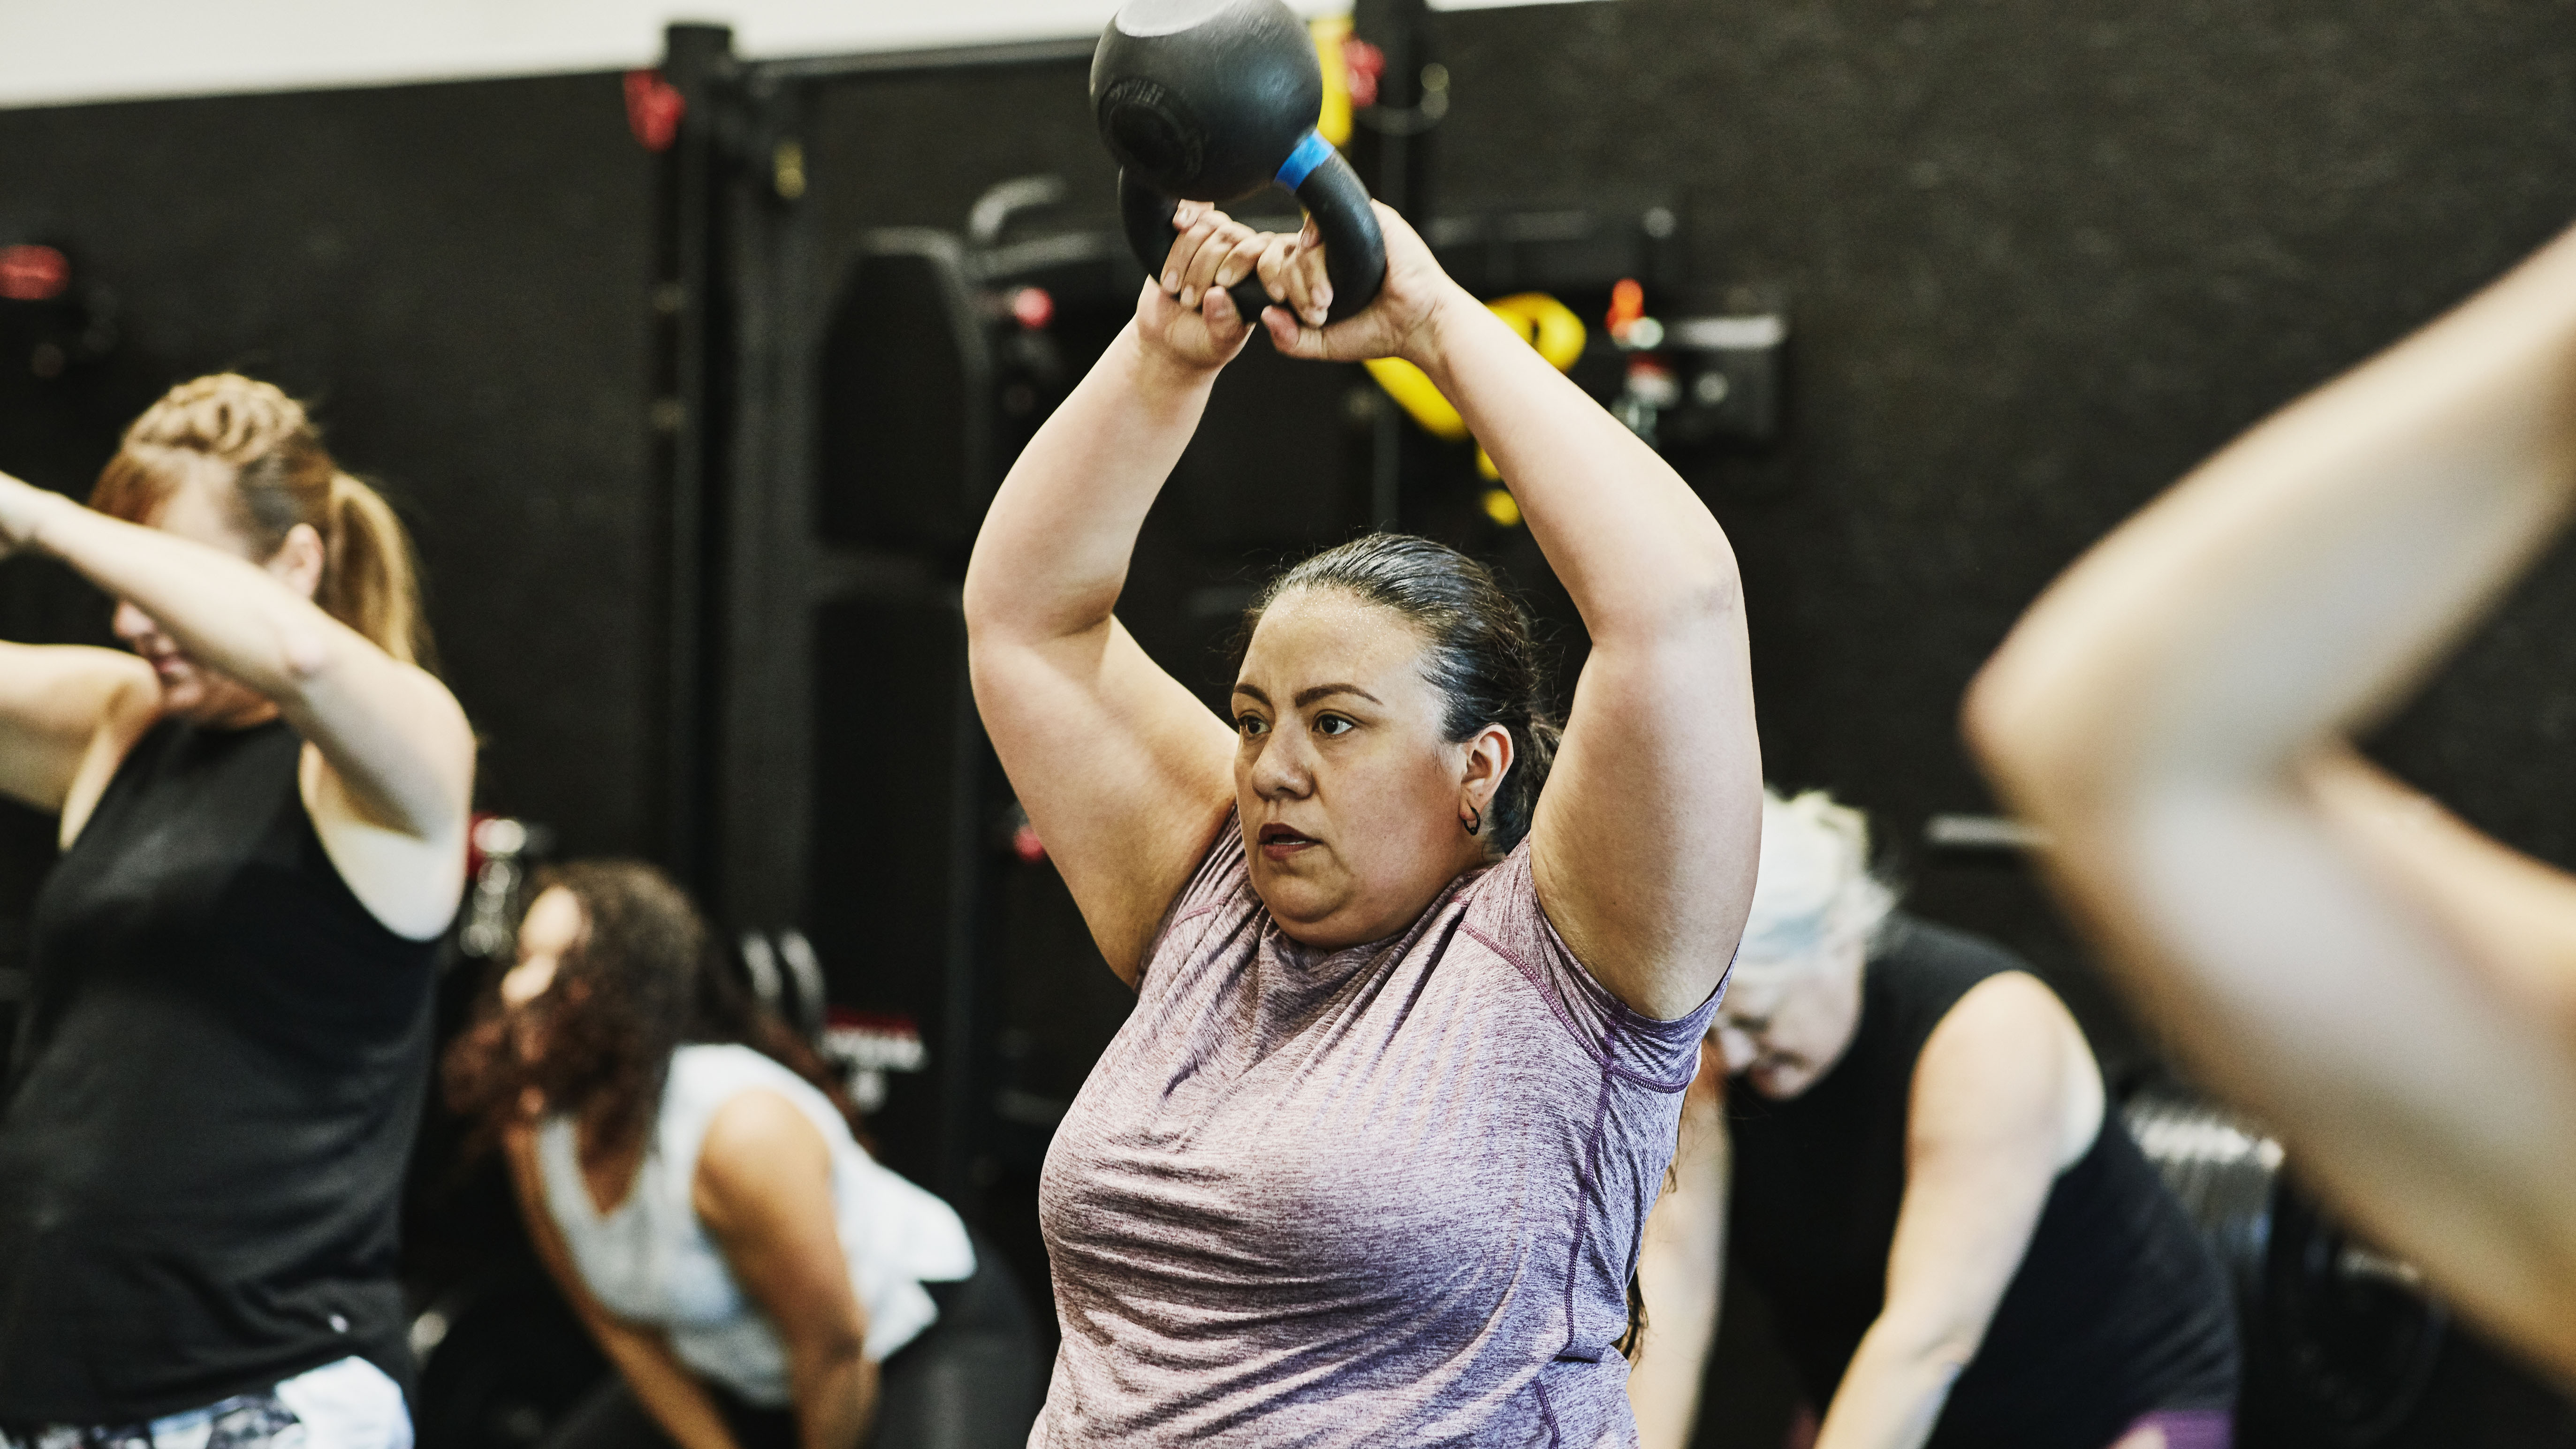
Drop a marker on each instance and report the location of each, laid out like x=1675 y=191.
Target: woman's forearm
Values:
x=1054 y=548
x=836 y=1401
x=1634 y=547
x=392 y=734
x=1891 y=1395
x=666 y=1389
x=2174 y=712
x=225 y=611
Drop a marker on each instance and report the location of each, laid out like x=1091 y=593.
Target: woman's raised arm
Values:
x=1644 y=841
x=1123 y=772
x=2322 y=947
x=391 y=733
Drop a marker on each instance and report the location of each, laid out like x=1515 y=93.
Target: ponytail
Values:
x=282 y=477
x=371 y=581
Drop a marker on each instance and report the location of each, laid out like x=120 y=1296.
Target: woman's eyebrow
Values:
x=1308 y=696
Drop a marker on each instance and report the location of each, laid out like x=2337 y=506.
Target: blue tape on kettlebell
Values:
x=1312 y=152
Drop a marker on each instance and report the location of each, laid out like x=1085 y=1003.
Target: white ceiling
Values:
x=54 y=52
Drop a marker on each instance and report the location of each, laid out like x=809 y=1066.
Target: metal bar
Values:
x=1983 y=833
x=872 y=64
x=696 y=58
x=762 y=769
x=1395 y=177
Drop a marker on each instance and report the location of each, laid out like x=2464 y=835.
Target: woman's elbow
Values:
x=832 y=1356
x=986 y=598
x=1936 y=1345
x=1713 y=589
x=2039 y=732
x=1682 y=601
x=2000 y=719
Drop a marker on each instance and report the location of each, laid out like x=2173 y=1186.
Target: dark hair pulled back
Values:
x=1477 y=651
x=646 y=977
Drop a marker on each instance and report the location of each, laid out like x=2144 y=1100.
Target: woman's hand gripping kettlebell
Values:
x=1184 y=312
x=1402 y=321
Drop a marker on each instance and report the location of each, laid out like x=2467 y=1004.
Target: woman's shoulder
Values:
x=1933 y=964
x=704 y=1074
x=1224 y=876
x=1499 y=910
x=706 y=1077
x=1218 y=891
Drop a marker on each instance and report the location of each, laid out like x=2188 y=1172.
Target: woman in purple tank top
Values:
x=1369 y=1160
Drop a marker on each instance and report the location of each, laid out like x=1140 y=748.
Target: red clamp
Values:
x=654 y=107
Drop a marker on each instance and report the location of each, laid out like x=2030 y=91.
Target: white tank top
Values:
x=650 y=1261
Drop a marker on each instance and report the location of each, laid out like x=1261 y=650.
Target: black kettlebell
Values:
x=1213 y=100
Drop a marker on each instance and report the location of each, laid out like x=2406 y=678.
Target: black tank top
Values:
x=2117 y=1310
x=221 y=1069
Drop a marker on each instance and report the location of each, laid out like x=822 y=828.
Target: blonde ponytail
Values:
x=282 y=477
x=372 y=582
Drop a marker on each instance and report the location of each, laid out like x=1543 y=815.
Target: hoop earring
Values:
x=1477 y=821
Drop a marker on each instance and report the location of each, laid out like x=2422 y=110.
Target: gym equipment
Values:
x=907 y=448
x=2341 y=1341
x=1215 y=100
x=501 y=851
x=1543 y=322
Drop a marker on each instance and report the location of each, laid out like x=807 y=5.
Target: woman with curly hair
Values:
x=688 y=1173
x=263 y=813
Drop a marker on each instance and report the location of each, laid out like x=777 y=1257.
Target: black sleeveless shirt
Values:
x=222 y=1064
x=2117 y=1310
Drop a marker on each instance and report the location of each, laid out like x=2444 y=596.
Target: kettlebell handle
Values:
x=1330 y=191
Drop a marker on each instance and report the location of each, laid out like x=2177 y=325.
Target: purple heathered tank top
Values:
x=1383 y=1195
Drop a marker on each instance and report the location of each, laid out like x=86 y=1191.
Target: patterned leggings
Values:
x=350 y=1404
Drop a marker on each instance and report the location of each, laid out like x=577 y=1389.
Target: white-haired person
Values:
x=1901 y=1135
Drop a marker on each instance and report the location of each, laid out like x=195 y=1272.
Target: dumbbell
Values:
x=1215 y=100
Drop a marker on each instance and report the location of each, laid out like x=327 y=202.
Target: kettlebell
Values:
x=1214 y=100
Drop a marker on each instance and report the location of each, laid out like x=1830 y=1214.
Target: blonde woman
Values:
x=263 y=812
x=1904 y=1135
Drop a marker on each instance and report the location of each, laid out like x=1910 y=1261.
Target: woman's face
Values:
x=547 y=934
x=1784 y=1025
x=200 y=510
x=1354 y=807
